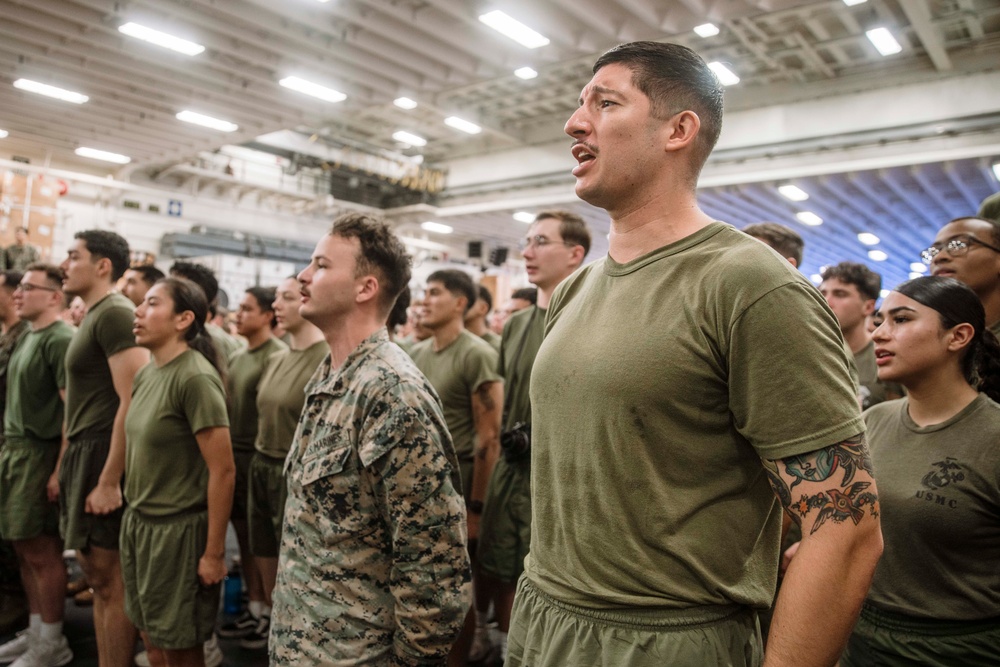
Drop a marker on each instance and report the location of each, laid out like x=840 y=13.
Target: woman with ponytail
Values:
x=935 y=598
x=178 y=478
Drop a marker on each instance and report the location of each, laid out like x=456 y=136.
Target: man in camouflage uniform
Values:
x=373 y=567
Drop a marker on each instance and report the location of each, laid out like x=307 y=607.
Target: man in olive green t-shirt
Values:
x=101 y=363
x=685 y=380
x=475 y=317
x=255 y=322
x=968 y=249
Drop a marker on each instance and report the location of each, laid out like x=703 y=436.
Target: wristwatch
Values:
x=474 y=506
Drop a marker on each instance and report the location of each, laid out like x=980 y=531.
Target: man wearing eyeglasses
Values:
x=968 y=249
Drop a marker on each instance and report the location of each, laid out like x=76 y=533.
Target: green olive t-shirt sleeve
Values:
x=204 y=402
x=113 y=331
x=480 y=366
x=54 y=354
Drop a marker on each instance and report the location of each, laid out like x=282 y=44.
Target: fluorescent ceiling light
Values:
x=809 y=218
x=405 y=103
x=996 y=170
x=314 y=89
x=463 y=125
x=793 y=192
x=884 y=41
x=877 y=255
x=883 y=293
x=725 y=75
x=914 y=274
x=525 y=217
x=161 y=39
x=525 y=73
x=851 y=3
x=408 y=138
x=511 y=27
x=868 y=238
x=436 y=227
x=918 y=267
x=3 y=134
x=50 y=91
x=95 y=154
x=816 y=278
x=706 y=30
x=207 y=121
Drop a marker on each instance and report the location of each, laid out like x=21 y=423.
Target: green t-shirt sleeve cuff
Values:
x=812 y=442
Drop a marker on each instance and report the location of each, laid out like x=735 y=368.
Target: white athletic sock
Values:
x=256 y=608
x=265 y=609
x=51 y=631
x=503 y=646
x=34 y=624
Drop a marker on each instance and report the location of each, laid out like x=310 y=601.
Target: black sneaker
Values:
x=257 y=638
x=241 y=626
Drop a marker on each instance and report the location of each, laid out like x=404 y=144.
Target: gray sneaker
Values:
x=213 y=654
x=16 y=647
x=42 y=653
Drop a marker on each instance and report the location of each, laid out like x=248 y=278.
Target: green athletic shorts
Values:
x=886 y=639
x=548 y=633
x=241 y=489
x=505 y=528
x=81 y=468
x=163 y=595
x=266 y=505
x=25 y=510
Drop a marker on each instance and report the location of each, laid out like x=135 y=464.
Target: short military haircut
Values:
x=486 y=297
x=675 y=79
x=11 y=279
x=264 y=296
x=150 y=274
x=457 y=282
x=572 y=228
x=784 y=239
x=53 y=274
x=529 y=294
x=398 y=314
x=200 y=275
x=989 y=209
x=103 y=244
x=382 y=254
x=868 y=282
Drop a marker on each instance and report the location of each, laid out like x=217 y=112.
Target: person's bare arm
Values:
x=217 y=450
x=487 y=411
x=107 y=495
x=52 y=488
x=831 y=493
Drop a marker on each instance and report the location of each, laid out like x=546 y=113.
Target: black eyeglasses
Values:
x=956 y=247
x=29 y=287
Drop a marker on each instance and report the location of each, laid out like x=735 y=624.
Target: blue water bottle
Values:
x=232 y=596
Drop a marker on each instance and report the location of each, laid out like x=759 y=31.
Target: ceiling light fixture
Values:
x=163 y=39
x=207 y=121
x=868 y=238
x=436 y=227
x=313 y=89
x=793 y=192
x=4 y=134
x=884 y=41
x=525 y=217
x=883 y=293
x=816 y=278
x=50 y=91
x=95 y=154
x=996 y=170
x=877 y=255
x=409 y=138
x=706 y=30
x=463 y=125
x=809 y=218
x=851 y=3
x=725 y=75
x=914 y=274
x=525 y=73
x=405 y=103
x=514 y=29
x=918 y=267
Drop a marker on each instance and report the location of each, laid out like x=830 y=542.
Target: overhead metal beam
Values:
x=919 y=15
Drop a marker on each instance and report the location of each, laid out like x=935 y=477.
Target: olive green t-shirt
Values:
x=939 y=492
x=660 y=385
x=873 y=391
x=36 y=373
x=528 y=327
x=91 y=400
x=455 y=373
x=245 y=370
x=281 y=396
x=492 y=339
x=165 y=473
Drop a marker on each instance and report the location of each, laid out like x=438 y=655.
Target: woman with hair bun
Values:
x=935 y=598
x=178 y=478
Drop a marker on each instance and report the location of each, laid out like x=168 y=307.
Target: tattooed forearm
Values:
x=484 y=393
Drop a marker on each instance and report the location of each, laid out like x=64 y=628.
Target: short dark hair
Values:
x=572 y=228
x=53 y=273
x=486 y=297
x=397 y=316
x=200 y=275
x=107 y=245
x=868 y=282
x=264 y=296
x=529 y=294
x=382 y=254
x=150 y=274
x=783 y=239
x=11 y=279
x=675 y=79
x=457 y=282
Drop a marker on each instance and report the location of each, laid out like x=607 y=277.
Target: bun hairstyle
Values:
x=956 y=304
x=187 y=295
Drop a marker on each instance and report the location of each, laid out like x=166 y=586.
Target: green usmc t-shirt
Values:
x=245 y=370
x=281 y=396
x=522 y=336
x=91 y=400
x=660 y=385
x=165 y=473
x=36 y=373
x=939 y=492
x=492 y=339
x=455 y=373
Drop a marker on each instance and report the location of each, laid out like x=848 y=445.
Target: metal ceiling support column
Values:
x=919 y=15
